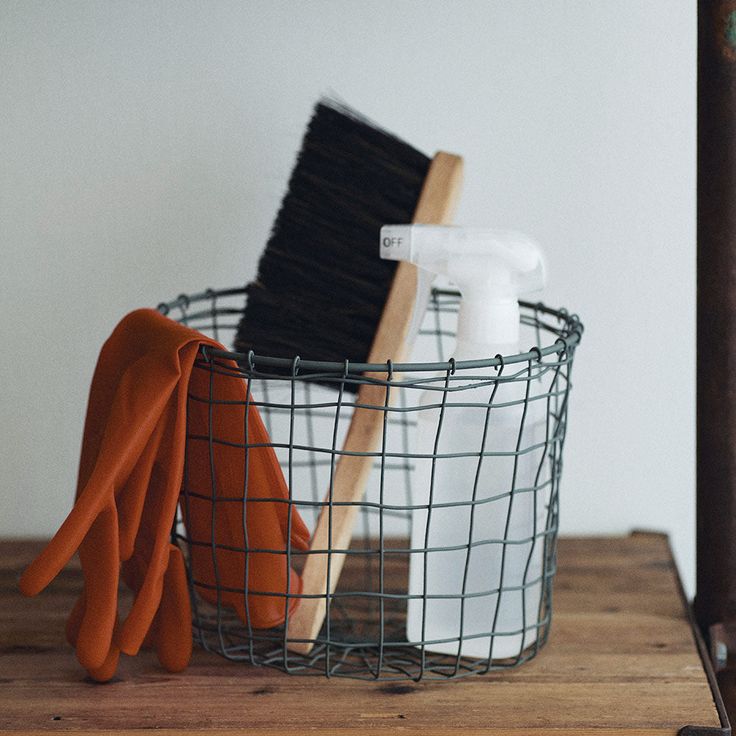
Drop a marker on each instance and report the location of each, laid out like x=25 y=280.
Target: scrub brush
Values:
x=323 y=293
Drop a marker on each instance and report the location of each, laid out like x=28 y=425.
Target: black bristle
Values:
x=321 y=285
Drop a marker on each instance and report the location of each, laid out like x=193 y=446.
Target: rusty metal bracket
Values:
x=722 y=638
x=703 y=731
x=708 y=667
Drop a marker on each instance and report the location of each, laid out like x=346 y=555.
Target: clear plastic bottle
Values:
x=479 y=523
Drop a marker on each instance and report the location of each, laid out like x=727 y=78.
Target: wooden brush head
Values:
x=321 y=286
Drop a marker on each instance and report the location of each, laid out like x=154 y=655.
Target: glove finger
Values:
x=65 y=542
x=151 y=556
x=157 y=519
x=107 y=670
x=133 y=571
x=131 y=498
x=174 y=618
x=74 y=621
x=99 y=555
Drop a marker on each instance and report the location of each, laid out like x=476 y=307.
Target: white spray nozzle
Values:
x=508 y=260
x=492 y=268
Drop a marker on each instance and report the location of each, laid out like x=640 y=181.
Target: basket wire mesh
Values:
x=382 y=620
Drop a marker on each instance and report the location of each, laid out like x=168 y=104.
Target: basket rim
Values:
x=563 y=344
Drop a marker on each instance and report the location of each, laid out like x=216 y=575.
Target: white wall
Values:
x=145 y=147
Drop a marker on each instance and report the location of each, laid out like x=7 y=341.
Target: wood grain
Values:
x=621 y=659
x=334 y=529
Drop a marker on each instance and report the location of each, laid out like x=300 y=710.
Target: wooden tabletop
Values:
x=621 y=659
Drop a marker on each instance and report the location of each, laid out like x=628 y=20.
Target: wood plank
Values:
x=620 y=659
x=218 y=697
x=391 y=731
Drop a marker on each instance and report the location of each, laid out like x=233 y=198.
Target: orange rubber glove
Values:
x=130 y=475
x=170 y=633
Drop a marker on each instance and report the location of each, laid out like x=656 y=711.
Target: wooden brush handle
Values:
x=334 y=530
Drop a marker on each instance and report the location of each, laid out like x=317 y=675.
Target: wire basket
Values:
x=450 y=568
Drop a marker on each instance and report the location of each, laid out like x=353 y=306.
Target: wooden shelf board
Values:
x=621 y=659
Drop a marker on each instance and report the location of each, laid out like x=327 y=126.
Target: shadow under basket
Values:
x=450 y=569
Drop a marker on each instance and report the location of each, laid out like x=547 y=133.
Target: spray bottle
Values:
x=478 y=520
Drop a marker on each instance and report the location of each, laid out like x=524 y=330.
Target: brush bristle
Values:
x=321 y=284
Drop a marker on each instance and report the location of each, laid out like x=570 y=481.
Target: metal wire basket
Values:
x=450 y=568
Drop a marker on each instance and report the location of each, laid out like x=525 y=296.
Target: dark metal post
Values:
x=715 y=602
